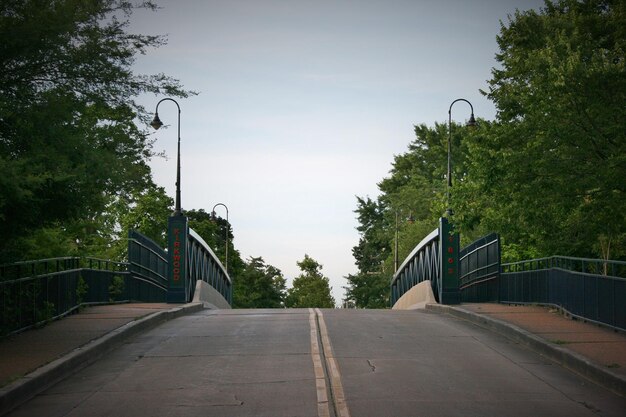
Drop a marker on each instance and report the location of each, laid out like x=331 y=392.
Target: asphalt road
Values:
x=315 y=363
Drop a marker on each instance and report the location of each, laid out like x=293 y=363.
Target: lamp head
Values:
x=156 y=122
x=471 y=122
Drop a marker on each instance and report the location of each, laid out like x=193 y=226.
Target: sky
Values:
x=302 y=106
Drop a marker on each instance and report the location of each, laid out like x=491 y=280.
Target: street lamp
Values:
x=227 y=227
x=156 y=124
x=470 y=123
x=395 y=255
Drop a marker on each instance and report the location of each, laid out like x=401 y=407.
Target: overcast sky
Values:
x=303 y=105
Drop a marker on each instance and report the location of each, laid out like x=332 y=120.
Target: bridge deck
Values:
x=263 y=362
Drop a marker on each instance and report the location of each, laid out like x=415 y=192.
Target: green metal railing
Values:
x=204 y=265
x=35 y=292
x=583 y=265
x=422 y=264
x=479 y=270
x=590 y=289
x=434 y=259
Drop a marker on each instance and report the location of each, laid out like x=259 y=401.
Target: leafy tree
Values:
x=373 y=245
x=547 y=174
x=259 y=286
x=368 y=290
x=310 y=288
x=69 y=145
x=214 y=232
x=558 y=150
x=415 y=188
x=148 y=213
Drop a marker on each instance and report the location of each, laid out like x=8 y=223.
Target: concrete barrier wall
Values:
x=209 y=296
x=417 y=297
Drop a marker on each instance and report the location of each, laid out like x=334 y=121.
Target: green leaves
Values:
x=561 y=136
x=310 y=288
x=259 y=286
x=547 y=175
x=69 y=145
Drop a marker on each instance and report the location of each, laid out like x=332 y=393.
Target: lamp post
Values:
x=227 y=227
x=395 y=255
x=470 y=123
x=156 y=124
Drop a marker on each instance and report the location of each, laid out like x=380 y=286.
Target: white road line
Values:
x=335 y=376
x=320 y=380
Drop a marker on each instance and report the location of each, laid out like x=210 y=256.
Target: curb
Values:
x=30 y=385
x=564 y=357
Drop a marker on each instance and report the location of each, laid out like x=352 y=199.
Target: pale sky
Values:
x=303 y=105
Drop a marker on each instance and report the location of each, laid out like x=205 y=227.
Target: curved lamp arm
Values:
x=156 y=124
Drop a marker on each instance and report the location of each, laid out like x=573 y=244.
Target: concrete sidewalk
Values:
x=35 y=359
x=595 y=352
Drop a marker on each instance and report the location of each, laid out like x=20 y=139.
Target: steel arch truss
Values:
x=434 y=259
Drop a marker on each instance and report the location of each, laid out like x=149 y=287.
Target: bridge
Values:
x=452 y=344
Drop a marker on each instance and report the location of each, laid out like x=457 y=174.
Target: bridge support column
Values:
x=449 y=292
x=178 y=229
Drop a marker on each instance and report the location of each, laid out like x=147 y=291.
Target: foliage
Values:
x=81 y=290
x=310 y=288
x=558 y=149
x=547 y=174
x=368 y=290
x=69 y=145
x=116 y=289
x=146 y=211
x=214 y=231
x=415 y=190
x=44 y=314
x=259 y=286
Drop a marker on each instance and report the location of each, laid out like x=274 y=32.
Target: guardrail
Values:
x=35 y=292
x=590 y=289
x=147 y=263
x=204 y=265
x=422 y=264
x=584 y=265
x=434 y=259
x=479 y=270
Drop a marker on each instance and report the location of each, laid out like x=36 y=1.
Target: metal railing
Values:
x=35 y=292
x=204 y=265
x=147 y=261
x=590 y=289
x=24 y=269
x=479 y=270
x=422 y=264
x=584 y=265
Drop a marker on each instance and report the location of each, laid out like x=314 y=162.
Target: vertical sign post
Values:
x=449 y=292
x=177 y=259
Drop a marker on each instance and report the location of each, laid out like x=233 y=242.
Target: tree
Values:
x=547 y=174
x=373 y=245
x=415 y=189
x=69 y=145
x=259 y=286
x=214 y=232
x=368 y=290
x=559 y=147
x=310 y=288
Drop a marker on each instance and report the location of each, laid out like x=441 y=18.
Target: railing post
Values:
x=449 y=292
x=178 y=230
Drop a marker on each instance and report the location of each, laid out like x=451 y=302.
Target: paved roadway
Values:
x=278 y=363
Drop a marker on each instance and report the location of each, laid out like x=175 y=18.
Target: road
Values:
x=316 y=363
